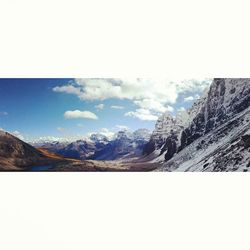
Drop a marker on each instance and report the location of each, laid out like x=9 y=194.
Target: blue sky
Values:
x=34 y=108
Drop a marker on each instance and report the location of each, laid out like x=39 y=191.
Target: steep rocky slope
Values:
x=217 y=136
x=166 y=135
x=225 y=99
x=226 y=148
x=18 y=155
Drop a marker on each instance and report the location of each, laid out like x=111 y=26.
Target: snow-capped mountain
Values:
x=80 y=149
x=216 y=134
x=126 y=144
x=166 y=134
x=100 y=147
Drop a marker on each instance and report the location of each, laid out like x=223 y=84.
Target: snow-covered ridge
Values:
x=225 y=99
x=222 y=149
x=214 y=118
x=99 y=146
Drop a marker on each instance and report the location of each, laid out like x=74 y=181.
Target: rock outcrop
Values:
x=216 y=136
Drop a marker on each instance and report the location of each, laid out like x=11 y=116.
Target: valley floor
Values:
x=73 y=165
x=109 y=166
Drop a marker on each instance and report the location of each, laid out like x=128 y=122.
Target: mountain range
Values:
x=125 y=144
x=213 y=135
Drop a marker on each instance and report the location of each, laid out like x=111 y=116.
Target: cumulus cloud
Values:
x=116 y=107
x=104 y=131
x=142 y=114
x=189 y=99
x=75 y=114
x=122 y=127
x=153 y=105
x=152 y=94
x=99 y=106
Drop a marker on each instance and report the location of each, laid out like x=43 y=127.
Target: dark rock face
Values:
x=167 y=129
x=170 y=147
x=149 y=148
x=125 y=145
x=226 y=98
x=78 y=150
x=246 y=141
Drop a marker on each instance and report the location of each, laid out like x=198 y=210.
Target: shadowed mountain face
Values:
x=124 y=145
x=16 y=154
x=214 y=137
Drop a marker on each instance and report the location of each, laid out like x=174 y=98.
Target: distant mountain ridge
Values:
x=99 y=147
x=125 y=145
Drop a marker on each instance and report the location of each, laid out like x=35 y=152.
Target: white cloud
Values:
x=154 y=105
x=189 y=99
x=17 y=134
x=69 y=89
x=50 y=139
x=116 y=107
x=99 y=106
x=104 y=131
x=142 y=114
x=80 y=114
x=153 y=94
x=122 y=127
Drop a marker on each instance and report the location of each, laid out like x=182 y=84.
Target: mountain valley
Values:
x=211 y=136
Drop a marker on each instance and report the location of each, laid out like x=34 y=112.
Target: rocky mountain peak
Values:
x=142 y=134
x=225 y=99
x=165 y=127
